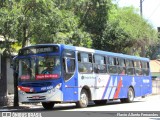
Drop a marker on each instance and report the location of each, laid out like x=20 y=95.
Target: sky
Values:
x=150 y=9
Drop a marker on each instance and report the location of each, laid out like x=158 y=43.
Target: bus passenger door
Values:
x=69 y=83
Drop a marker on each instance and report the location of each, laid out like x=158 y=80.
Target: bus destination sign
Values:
x=38 y=50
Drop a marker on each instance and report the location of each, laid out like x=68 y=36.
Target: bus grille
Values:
x=36 y=84
x=35 y=92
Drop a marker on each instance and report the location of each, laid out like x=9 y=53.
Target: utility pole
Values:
x=143 y=46
x=158 y=28
x=141 y=12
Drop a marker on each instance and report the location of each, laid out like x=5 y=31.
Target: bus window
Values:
x=129 y=67
x=112 y=62
x=121 y=66
x=145 y=68
x=99 y=64
x=85 y=62
x=68 y=64
x=137 y=66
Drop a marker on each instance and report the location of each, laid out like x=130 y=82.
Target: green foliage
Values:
x=7 y=25
x=153 y=51
x=139 y=34
x=115 y=39
x=37 y=21
x=91 y=23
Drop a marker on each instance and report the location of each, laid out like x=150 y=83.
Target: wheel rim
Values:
x=131 y=95
x=84 y=99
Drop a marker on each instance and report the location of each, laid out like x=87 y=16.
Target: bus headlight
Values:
x=21 y=92
x=49 y=91
x=58 y=86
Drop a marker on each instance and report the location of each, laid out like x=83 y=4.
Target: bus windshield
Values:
x=39 y=68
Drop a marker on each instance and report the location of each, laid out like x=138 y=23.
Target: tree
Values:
x=31 y=16
x=138 y=32
x=153 y=51
x=115 y=39
x=7 y=25
x=47 y=22
x=94 y=16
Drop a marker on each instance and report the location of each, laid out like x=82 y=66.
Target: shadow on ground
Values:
x=39 y=108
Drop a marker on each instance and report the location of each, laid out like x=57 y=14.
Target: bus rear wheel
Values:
x=48 y=105
x=130 y=95
x=83 y=102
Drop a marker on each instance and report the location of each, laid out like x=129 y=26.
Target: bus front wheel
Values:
x=83 y=102
x=48 y=105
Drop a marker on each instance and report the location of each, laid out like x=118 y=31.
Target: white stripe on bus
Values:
x=113 y=89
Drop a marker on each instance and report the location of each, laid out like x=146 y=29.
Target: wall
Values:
x=156 y=86
x=10 y=82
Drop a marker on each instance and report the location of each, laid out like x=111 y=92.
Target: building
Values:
x=155 y=73
x=155 y=68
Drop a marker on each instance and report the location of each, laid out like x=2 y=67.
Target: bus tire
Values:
x=48 y=105
x=100 y=102
x=130 y=95
x=83 y=102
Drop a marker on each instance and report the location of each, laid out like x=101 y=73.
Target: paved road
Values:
x=148 y=104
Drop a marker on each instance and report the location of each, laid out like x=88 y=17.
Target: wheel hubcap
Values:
x=84 y=99
x=131 y=96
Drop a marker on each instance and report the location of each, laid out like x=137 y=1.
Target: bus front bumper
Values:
x=53 y=95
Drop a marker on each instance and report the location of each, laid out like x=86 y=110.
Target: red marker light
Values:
x=25 y=89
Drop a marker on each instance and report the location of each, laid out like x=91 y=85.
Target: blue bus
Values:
x=58 y=73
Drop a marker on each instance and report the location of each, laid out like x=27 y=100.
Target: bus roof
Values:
x=84 y=49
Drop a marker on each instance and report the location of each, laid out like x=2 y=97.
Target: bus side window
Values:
x=99 y=64
x=85 y=62
x=137 y=66
x=145 y=68
x=112 y=67
x=130 y=67
x=121 y=66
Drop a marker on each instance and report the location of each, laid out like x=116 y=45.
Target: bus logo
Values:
x=133 y=82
